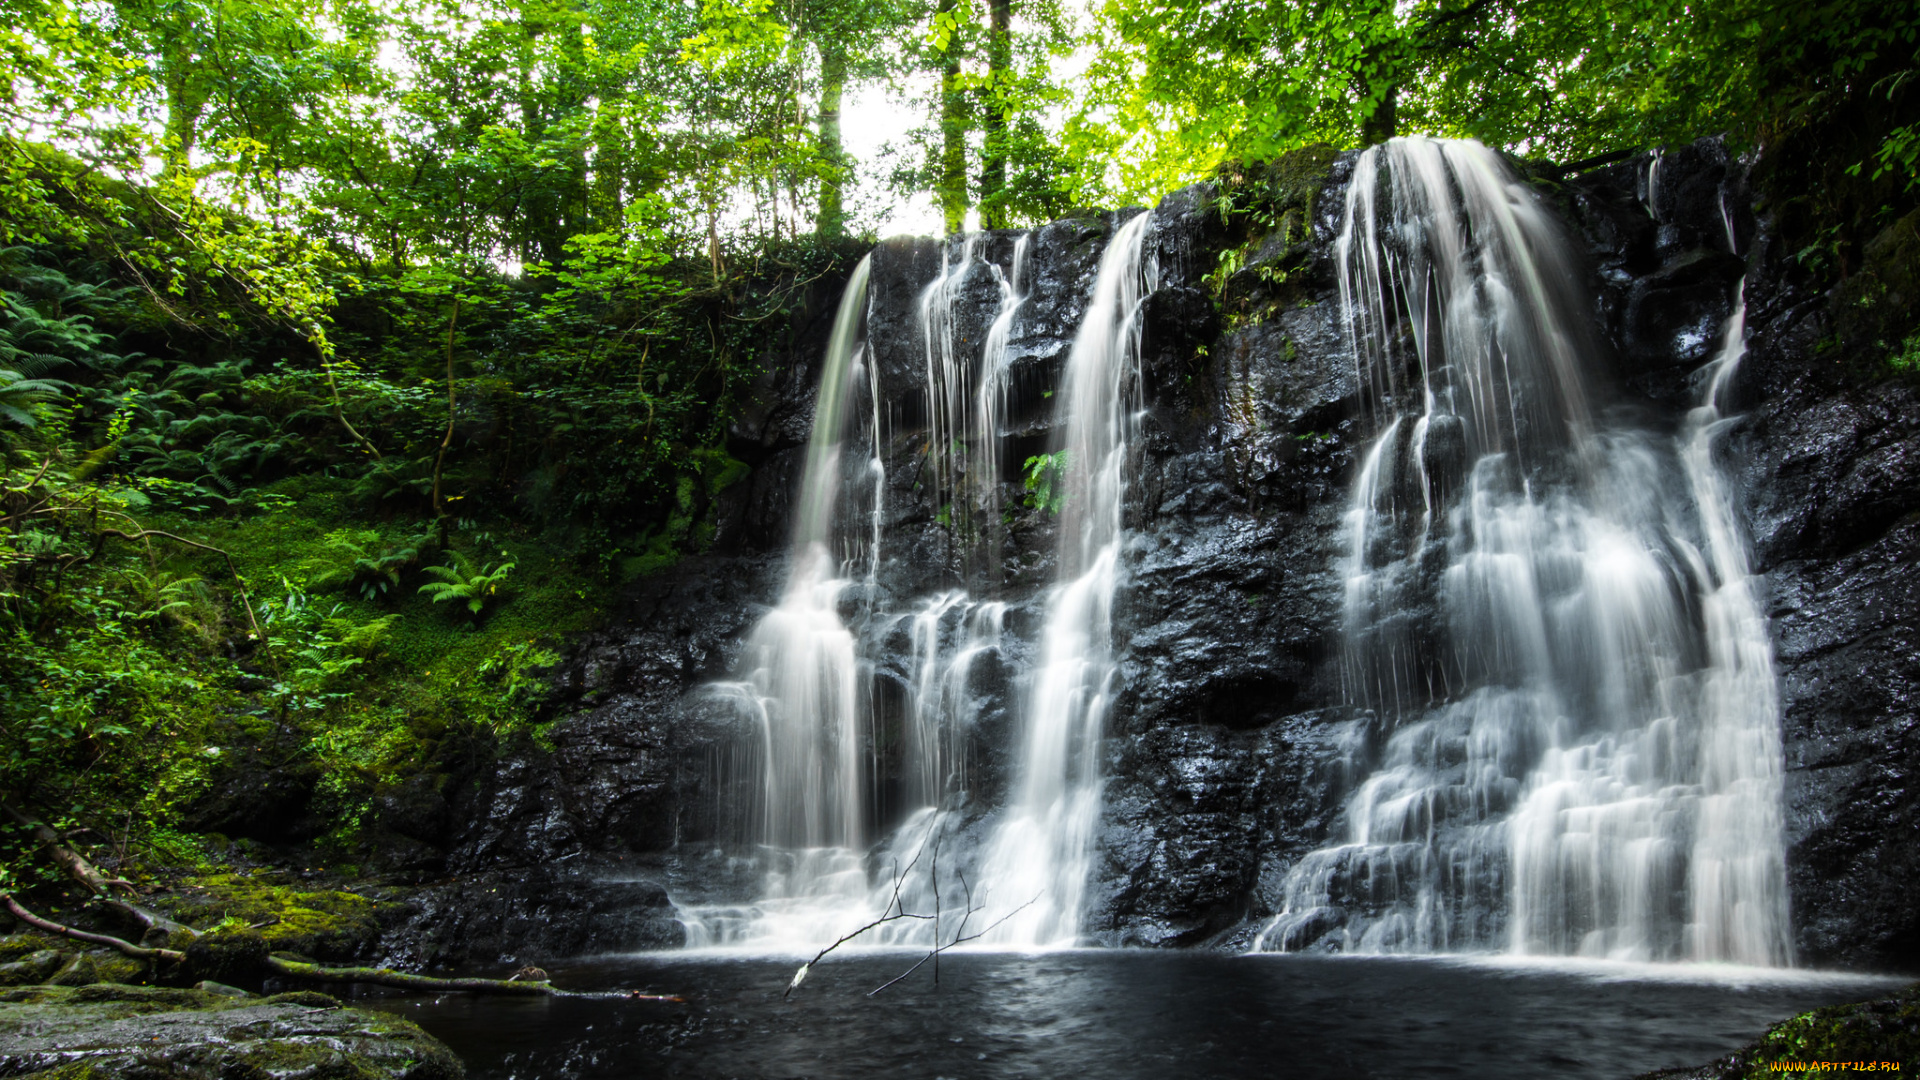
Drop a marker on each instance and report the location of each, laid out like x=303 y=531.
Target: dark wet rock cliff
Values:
x=1231 y=746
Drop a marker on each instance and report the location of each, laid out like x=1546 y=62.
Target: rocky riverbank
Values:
x=109 y=1032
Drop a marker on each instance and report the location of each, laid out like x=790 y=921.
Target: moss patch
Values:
x=1267 y=209
x=302 y=1036
x=1885 y=1030
x=327 y=924
x=20 y=946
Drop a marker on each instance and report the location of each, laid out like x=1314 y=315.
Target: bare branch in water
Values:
x=895 y=911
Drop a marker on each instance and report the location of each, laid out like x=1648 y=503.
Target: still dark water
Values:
x=1126 y=1015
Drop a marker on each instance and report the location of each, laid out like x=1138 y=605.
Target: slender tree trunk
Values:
x=953 y=134
x=713 y=237
x=440 y=459
x=831 y=220
x=609 y=172
x=999 y=114
x=184 y=104
x=1381 y=124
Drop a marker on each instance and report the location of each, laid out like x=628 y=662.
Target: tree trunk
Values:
x=440 y=459
x=999 y=114
x=830 y=222
x=1380 y=124
x=953 y=133
x=713 y=237
x=184 y=104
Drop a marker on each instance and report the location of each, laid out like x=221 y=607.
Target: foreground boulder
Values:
x=109 y=1031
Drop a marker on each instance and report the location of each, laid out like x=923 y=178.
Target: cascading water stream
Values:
x=990 y=410
x=1038 y=862
x=1739 y=903
x=950 y=381
x=806 y=687
x=803 y=692
x=1551 y=621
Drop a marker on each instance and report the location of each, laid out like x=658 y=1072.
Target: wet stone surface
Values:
x=136 y=1032
x=1229 y=748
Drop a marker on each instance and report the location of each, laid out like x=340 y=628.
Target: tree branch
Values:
x=296 y=969
x=74 y=863
x=124 y=946
x=405 y=981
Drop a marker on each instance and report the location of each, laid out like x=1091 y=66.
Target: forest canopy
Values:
x=347 y=349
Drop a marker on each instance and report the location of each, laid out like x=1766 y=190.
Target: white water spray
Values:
x=1581 y=741
x=1041 y=855
x=804 y=695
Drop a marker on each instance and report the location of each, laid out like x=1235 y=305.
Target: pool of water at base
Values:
x=1121 y=1015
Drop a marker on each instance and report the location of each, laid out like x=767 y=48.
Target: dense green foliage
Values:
x=349 y=352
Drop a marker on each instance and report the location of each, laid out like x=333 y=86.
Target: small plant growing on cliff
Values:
x=1046 y=481
x=462 y=581
x=1907 y=358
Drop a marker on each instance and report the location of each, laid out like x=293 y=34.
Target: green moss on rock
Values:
x=228 y=955
x=78 y=1070
x=116 y=968
x=77 y=971
x=329 y=924
x=33 y=968
x=16 y=947
x=1267 y=210
x=124 y=1032
x=1882 y=1031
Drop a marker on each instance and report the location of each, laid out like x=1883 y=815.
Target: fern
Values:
x=462 y=582
x=373 y=576
x=19 y=395
x=362 y=639
x=1046 y=482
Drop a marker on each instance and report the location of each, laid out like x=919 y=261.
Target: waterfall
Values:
x=989 y=414
x=950 y=376
x=803 y=691
x=1039 y=859
x=1550 y=622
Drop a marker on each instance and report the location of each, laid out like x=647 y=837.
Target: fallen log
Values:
x=402 y=980
x=399 y=980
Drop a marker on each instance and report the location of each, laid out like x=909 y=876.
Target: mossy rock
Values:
x=76 y=1070
x=117 y=968
x=312 y=999
x=330 y=924
x=16 y=947
x=34 y=968
x=77 y=971
x=30 y=995
x=126 y=1032
x=228 y=955
x=165 y=997
x=1876 y=310
x=1883 y=1031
